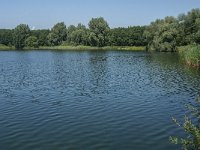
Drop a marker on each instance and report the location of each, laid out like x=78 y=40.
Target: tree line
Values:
x=161 y=35
x=97 y=34
x=168 y=33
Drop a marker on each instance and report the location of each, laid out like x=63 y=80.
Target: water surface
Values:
x=92 y=100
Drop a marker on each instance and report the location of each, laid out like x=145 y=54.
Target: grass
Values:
x=126 y=48
x=4 y=47
x=191 y=54
x=80 y=47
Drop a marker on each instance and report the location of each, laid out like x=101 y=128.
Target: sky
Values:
x=40 y=14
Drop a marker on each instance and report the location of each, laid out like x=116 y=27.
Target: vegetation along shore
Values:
x=170 y=34
x=78 y=47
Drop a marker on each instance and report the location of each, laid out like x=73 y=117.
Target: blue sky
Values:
x=118 y=13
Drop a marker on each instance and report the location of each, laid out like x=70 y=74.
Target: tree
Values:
x=58 y=34
x=77 y=35
x=21 y=33
x=166 y=34
x=93 y=39
x=41 y=36
x=131 y=36
x=190 y=26
x=161 y=35
x=197 y=34
x=99 y=29
x=6 y=37
x=32 y=41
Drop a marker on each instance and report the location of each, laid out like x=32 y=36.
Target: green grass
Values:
x=80 y=47
x=4 y=47
x=191 y=54
x=126 y=48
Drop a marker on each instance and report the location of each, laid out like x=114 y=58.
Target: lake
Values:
x=111 y=100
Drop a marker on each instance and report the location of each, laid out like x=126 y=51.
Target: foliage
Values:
x=32 y=41
x=191 y=54
x=191 y=24
x=58 y=34
x=99 y=29
x=41 y=36
x=131 y=36
x=21 y=33
x=166 y=34
x=5 y=47
x=161 y=35
x=191 y=128
x=6 y=37
x=82 y=47
x=125 y=48
x=78 y=35
x=98 y=34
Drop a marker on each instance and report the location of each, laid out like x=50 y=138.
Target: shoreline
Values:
x=78 y=48
x=190 y=54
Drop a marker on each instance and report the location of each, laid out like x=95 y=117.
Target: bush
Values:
x=192 y=130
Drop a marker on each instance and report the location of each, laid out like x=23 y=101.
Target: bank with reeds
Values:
x=4 y=47
x=79 y=47
x=190 y=54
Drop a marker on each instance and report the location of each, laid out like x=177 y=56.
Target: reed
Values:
x=190 y=54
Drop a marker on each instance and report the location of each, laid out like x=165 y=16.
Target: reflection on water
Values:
x=92 y=100
x=97 y=76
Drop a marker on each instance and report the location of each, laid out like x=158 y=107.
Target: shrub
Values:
x=192 y=130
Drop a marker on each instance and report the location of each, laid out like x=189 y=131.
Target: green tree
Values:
x=58 y=34
x=99 y=29
x=162 y=34
x=197 y=34
x=190 y=24
x=78 y=35
x=42 y=36
x=6 y=37
x=93 y=39
x=131 y=36
x=32 y=41
x=166 y=34
x=21 y=33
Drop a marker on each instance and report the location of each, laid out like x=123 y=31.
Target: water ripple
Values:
x=92 y=100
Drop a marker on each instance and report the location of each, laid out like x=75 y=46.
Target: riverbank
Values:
x=4 y=47
x=128 y=48
x=190 y=54
x=125 y=48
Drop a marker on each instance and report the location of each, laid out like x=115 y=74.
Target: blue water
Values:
x=109 y=100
